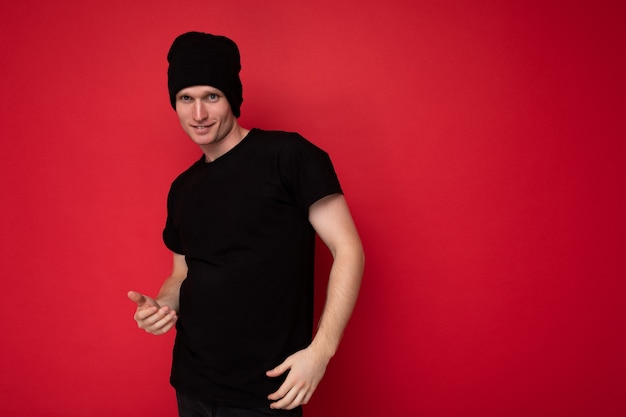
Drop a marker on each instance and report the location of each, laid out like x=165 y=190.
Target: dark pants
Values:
x=189 y=406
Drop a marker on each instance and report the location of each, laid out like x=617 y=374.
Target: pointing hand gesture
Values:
x=150 y=316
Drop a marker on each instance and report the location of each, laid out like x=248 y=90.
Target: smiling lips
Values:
x=201 y=128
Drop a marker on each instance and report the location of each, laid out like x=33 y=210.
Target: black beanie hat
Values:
x=197 y=58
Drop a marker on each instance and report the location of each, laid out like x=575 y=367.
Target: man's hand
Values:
x=150 y=316
x=306 y=369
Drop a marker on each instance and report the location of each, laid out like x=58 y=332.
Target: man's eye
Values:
x=185 y=98
x=212 y=97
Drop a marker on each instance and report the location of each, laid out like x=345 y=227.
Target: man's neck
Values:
x=215 y=150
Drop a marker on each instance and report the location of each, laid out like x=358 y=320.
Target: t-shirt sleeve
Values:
x=171 y=235
x=307 y=172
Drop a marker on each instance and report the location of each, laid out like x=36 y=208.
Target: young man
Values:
x=241 y=225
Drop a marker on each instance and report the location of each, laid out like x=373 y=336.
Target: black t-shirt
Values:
x=247 y=303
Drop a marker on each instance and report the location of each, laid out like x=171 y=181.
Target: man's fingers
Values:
x=165 y=324
x=294 y=397
x=143 y=301
x=150 y=316
x=136 y=297
x=159 y=323
x=146 y=313
x=280 y=369
x=285 y=400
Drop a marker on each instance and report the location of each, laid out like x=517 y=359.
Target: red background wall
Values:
x=481 y=147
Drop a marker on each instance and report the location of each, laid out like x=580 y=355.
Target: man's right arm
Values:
x=158 y=316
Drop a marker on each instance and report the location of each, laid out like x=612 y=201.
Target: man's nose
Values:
x=199 y=111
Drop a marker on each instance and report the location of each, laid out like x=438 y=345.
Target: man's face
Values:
x=205 y=115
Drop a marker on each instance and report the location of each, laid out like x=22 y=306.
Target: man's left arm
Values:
x=331 y=219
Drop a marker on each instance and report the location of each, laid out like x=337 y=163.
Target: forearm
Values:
x=343 y=288
x=169 y=293
x=307 y=367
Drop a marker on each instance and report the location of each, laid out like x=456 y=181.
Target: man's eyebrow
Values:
x=208 y=90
